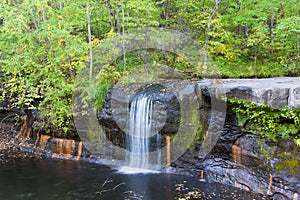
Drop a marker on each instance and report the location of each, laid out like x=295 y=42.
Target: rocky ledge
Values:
x=277 y=92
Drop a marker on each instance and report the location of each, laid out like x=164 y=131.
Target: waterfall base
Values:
x=135 y=170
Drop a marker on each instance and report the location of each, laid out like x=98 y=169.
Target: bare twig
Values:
x=107 y=181
x=118 y=186
x=109 y=189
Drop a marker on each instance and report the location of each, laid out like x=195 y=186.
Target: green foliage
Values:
x=43 y=44
x=267 y=121
x=107 y=77
x=39 y=59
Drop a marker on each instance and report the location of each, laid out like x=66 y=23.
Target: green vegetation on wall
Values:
x=267 y=121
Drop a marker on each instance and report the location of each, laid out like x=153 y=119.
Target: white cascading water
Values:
x=141 y=128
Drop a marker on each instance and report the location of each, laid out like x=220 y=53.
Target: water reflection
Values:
x=56 y=179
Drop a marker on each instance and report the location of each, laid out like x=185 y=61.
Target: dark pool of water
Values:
x=57 y=179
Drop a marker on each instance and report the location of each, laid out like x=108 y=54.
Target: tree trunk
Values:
x=297 y=49
x=60 y=5
x=89 y=37
x=112 y=14
x=282 y=8
x=207 y=31
x=118 y=19
x=271 y=29
x=255 y=61
x=167 y=10
x=166 y=13
x=123 y=32
x=44 y=12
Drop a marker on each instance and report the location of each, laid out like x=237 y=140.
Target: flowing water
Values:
x=142 y=128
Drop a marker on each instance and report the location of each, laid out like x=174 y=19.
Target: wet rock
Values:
x=248 y=162
x=115 y=113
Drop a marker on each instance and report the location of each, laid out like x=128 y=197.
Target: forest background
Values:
x=44 y=43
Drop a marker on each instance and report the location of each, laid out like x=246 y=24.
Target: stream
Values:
x=34 y=178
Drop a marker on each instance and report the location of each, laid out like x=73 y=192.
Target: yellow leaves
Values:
x=53 y=68
x=96 y=41
x=111 y=33
x=59 y=25
x=71 y=65
x=59 y=17
x=179 y=59
x=72 y=55
x=61 y=41
x=224 y=50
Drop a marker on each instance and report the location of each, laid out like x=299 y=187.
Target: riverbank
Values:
x=234 y=161
x=11 y=148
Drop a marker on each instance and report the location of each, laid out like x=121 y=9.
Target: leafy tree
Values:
x=40 y=57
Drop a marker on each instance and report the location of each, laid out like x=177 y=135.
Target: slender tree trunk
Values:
x=255 y=61
x=35 y=20
x=297 y=48
x=35 y=23
x=203 y=3
x=44 y=12
x=282 y=8
x=285 y=52
x=123 y=32
x=118 y=18
x=246 y=31
x=60 y=5
x=239 y=4
x=207 y=33
x=167 y=10
x=112 y=14
x=89 y=37
x=271 y=29
x=166 y=13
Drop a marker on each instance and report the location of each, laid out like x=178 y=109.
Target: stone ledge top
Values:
x=277 y=92
x=265 y=83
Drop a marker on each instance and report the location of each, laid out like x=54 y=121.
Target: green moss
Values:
x=280 y=166
x=293 y=163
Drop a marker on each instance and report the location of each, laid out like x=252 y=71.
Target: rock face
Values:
x=277 y=92
x=247 y=162
x=116 y=117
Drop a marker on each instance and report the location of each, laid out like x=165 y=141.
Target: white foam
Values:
x=134 y=170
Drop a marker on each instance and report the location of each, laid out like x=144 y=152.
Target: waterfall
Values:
x=142 y=132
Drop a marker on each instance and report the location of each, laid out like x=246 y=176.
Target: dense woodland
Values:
x=44 y=43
